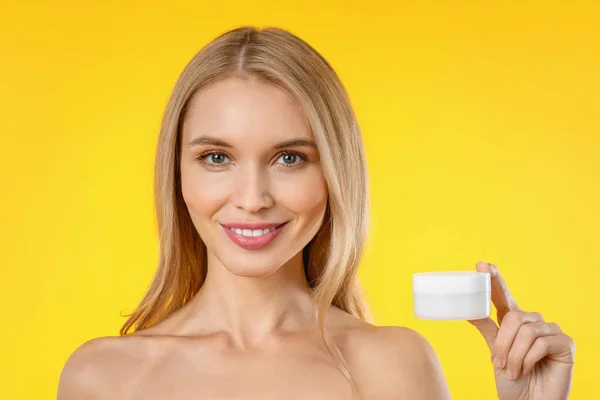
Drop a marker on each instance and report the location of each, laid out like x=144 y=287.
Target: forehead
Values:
x=245 y=111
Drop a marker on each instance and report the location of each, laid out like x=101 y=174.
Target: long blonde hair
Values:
x=331 y=259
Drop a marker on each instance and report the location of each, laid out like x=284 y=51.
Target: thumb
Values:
x=488 y=329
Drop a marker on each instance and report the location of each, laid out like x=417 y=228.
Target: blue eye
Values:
x=214 y=159
x=289 y=157
x=217 y=158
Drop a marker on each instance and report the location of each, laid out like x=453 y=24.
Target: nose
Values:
x=251 y=191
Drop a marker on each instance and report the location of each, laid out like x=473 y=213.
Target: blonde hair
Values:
x=275 y=56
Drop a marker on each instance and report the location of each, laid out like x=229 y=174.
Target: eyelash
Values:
x=202 y=158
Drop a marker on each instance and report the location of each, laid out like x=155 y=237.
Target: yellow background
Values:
x=481 y=124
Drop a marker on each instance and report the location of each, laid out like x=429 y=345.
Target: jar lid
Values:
x=451 y=282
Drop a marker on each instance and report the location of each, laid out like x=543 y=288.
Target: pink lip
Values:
x=253 y=225
x=253 y=243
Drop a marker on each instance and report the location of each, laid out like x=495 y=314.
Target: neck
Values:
x=252 y=309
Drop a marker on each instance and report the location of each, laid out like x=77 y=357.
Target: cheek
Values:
x=202 y=193
x=306 y=194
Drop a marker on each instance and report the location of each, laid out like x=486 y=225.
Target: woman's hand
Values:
x=533 y=359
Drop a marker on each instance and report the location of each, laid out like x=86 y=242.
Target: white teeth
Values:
x=252 y=233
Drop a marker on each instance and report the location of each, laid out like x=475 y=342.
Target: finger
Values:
x=501 y=296
x=559 y=347
x=508 y=332
x=488 y=329
x=527 y=335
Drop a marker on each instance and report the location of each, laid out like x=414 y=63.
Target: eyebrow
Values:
x=207 y=140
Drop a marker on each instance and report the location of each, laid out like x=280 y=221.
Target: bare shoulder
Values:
x=394 y=361
x=94 y=363
x=396 y=340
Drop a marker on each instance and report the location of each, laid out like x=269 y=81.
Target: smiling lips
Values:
x=253 y=236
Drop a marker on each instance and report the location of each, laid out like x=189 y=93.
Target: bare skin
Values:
x=386 y=363
x=251 y=331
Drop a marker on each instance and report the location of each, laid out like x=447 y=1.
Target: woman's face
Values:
x=248 y=156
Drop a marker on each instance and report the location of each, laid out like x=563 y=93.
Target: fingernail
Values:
x=497 y=360
x=510 y=375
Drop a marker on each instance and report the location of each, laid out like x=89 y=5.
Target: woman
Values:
x=262 y=207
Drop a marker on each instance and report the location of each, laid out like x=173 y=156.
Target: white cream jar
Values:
x=452 y=295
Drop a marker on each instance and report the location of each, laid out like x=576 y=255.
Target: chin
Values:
x=252 y=268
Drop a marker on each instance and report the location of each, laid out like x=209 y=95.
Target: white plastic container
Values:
x=452 y=295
